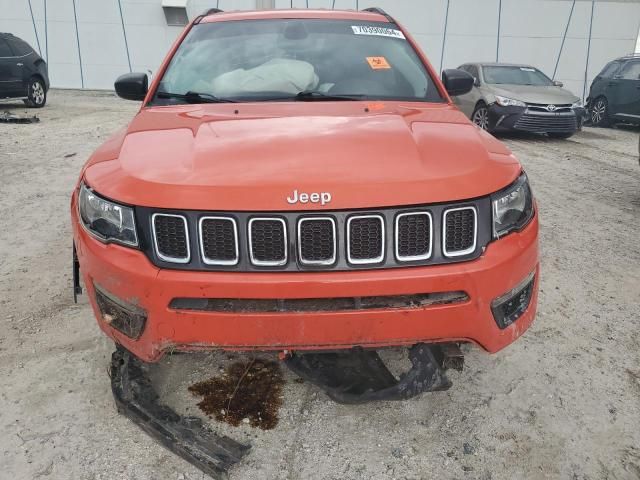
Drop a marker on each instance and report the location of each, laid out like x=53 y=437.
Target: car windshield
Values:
x=295 y=59
x=515 y=76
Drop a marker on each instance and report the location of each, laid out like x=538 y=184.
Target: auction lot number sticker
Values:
x=377 y=31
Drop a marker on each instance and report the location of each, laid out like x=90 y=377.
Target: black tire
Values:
x=480 y=116
x=560 y=135
x=36 y=93
x=599 y=113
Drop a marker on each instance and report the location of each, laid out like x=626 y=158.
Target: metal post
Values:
x=333 y=5
x=124 y=33
x=444 y=35
x=586 y=67
x=499 y=22
x=46 y=33
x=75 y=19
x=35 y=30
x=564 y=37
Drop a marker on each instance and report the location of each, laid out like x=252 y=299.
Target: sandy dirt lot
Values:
x=562 y=402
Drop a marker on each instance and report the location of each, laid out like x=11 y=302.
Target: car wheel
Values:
x=37 y=94
x=600 y=112
x=481 y=116
x=560 y=134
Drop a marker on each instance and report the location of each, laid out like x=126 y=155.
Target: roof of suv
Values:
x=367 y=16
x=624 y=58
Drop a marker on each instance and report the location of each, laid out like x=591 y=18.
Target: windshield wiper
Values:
x=195 y=97
x=316 y=96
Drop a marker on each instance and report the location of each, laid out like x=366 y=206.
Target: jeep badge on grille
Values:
x=322 y=198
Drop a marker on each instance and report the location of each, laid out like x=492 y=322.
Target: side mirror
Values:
x=558 y=83
x=132 y=86
x=457 y=82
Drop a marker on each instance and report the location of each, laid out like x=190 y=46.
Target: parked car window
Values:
x=264 y=60
x=513 y=75
x=473 y=71
x=19 y=47
x=631 y=71
x=5 y=51
x=609 y=70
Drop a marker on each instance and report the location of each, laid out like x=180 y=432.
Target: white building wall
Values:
x=531 y=31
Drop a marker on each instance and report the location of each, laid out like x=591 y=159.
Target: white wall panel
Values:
x=531 y=32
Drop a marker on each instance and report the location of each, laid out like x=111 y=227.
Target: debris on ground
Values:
x=248 y=393
x=8 y=117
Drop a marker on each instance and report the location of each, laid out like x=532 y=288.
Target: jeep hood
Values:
x=248 y=157
x=535 y=94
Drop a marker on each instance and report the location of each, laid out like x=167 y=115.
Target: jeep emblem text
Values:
x=322 y=198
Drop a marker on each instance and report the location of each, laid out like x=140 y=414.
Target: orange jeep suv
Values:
x=301 y=181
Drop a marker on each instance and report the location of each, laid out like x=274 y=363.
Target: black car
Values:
x=614 y=95
x=23 y=73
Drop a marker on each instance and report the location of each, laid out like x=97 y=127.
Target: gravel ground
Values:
x=562 y=402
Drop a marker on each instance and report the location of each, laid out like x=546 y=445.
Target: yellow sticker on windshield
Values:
x=378 y=63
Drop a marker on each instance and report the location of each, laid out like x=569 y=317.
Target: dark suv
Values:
x=23 y=73
x=614 y=95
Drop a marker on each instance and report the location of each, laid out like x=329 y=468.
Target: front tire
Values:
x=599 y=113
x=36 y=94
x=560 y=135
x=480 y=116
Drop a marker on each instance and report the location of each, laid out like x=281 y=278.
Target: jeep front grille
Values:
x=331 y=240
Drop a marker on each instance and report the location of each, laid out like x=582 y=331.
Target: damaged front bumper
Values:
x=127 y=275
x=534 y=120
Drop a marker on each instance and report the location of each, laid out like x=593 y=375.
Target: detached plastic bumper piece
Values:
x=185 y=436
x=360 y=376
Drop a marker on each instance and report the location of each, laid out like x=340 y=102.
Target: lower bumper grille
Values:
x=300 y=305
x=541 y=123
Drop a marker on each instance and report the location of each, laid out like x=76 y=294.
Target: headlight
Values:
x=509 y=102
x=578 y=104
x=108 y=221
x=512 y=207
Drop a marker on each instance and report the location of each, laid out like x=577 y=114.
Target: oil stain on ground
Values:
x=246 y=390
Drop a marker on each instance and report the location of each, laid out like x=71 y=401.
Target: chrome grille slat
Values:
x=218 y=240
x=317 y=245
x=359 y=248
x=457 y=238
x=268 y=244
x=171 y=237
x=408 y=245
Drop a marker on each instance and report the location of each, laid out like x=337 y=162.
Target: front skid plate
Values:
x=359 y=376
x=185 y=436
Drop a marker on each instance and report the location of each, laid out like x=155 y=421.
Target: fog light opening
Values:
x=509 y=307
x=125 y=317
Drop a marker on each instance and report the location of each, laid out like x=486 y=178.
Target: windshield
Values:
x=515 y=76
x=262 y=60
